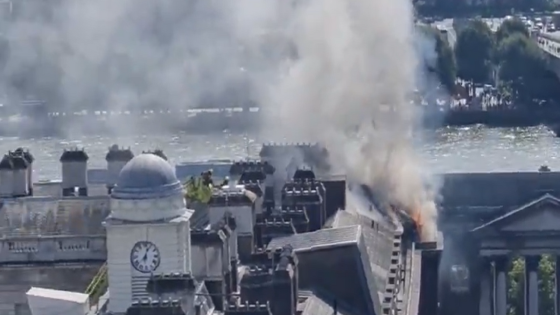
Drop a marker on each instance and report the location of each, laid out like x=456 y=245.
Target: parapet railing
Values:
x=413 y=279
x=98 y=285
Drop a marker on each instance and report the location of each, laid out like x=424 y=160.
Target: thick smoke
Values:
x=127 y=55
x=340 y=72
x=350 y=89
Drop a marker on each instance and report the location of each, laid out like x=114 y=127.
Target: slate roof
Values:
x=378 y=242
x=546 y=199
x=333 y=261
x=496 y=190
x=319 y=239
x=317 y=304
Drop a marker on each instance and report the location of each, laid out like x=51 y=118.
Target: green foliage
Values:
x=521 y=65
x=510 y=27
x=524 y=66
x=546 y=286
x=196 y=191
x=519 y=58
x=515 y=292
x=474 y=51
x=445 y=67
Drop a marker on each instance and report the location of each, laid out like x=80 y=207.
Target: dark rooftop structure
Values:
x=74 y=155
x=332 y=261
x=493 y=191
x=481 y=197
x=119 y=154
x=7 y=163
x=26 y=154
x=157 y=152
x=20 y=163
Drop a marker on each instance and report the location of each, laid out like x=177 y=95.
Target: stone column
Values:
x=500 y=285
x=557 y=286
x=485 y=306
x=531 y=285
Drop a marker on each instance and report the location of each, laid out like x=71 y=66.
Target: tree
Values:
x=516 y=279
x=444 y=66
x=510 y=27
x=546 y=285
x=474 y=51
x=522 y=63
x=516 y=287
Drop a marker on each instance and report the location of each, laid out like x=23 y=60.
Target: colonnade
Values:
x=494 y=285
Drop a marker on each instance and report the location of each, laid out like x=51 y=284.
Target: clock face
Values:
x=145 y=257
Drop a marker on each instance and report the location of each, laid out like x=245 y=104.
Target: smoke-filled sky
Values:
x=350 y=88
x=129 y=53
x=340 y=72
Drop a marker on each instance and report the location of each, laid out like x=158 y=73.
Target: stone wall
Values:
x=53 y=249
x=47 y=216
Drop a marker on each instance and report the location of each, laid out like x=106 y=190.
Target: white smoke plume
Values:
x=126 y=55
x=350 y=89
x=340 y=72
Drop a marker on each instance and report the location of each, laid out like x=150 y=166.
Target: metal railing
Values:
x=98 y=285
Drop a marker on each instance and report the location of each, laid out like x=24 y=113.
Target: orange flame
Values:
x=417 y=218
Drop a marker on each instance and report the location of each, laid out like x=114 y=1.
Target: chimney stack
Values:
x=116 y=159
x=20 y=187
x=157 y=152
x=74 y=172
x=285 y=282
x=6 y=176
x=30 y=159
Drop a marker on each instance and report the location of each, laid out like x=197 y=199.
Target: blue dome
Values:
x=146 y=176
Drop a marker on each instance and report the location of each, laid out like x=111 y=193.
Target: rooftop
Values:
x=58 y=295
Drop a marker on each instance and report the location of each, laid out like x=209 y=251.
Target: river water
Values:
x=468 y=149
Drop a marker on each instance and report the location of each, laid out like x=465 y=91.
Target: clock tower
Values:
x=148 y=229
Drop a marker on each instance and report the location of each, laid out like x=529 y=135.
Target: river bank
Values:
x=246 y=122
x=492 y=118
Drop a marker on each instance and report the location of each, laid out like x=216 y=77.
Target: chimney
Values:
x=19 y=176
x=157 y=152
x=285 y=281
x=6 y=176
x=74 y=172
x=116 y=159
x=30 y=159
